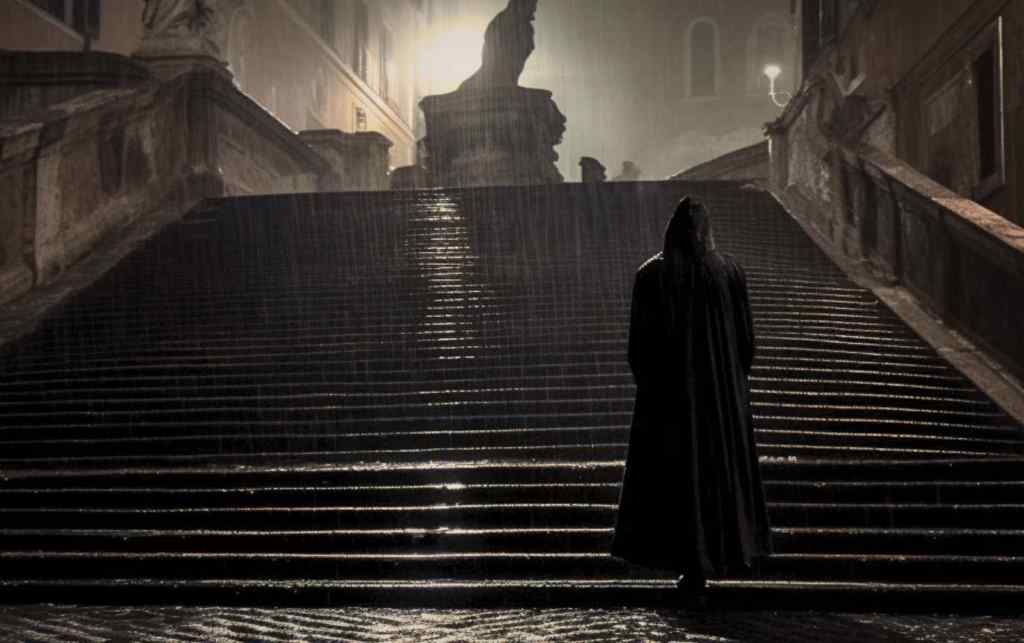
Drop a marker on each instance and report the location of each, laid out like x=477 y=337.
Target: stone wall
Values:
x=92 y=164
x=748 y=163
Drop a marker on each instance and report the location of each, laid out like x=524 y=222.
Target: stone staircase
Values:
x=423 y=398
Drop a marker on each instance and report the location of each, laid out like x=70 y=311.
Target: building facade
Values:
x=315 y=64
x=717 y=99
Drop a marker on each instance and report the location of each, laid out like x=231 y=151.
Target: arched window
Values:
x=704 y=58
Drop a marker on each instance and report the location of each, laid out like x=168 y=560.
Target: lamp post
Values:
x=781 y=99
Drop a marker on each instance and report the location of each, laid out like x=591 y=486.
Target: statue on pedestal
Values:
x=491 y=131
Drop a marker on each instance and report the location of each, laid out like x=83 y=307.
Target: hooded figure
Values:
x=691 y=499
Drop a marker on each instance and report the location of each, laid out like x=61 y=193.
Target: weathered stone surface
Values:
x=91 y=164
x=498 y=136
x=356 y=161
x=31 y=81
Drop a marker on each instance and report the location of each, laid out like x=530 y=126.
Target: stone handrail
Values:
x=72 y=175
x=960 y=260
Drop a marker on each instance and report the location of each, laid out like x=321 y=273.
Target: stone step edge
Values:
x=18 y=473
x=726 y=594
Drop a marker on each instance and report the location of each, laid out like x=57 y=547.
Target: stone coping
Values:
x=1007 y=234
x=23 y=136
x=223 y=91
x=344 y=139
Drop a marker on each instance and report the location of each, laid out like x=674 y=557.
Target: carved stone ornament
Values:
x=185 y=27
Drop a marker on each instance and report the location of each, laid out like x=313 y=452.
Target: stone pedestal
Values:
x=170 y=66
x=493 y=136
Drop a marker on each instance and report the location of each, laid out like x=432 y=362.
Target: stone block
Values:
x=410 y=177
x=355 y=161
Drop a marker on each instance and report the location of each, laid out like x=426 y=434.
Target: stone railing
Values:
x=960 y=260
x=87 y=166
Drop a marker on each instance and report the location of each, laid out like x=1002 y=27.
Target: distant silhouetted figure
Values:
x=630 y=172
x=591 y=170
x=508 y=42
x=691 y=499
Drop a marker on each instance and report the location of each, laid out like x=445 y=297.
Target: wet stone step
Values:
x=556 y=379
x=357 y=540
x=309 y=513
x=897 y=568
x=872 y=540
x=580 y=453
x=246 y=440
x=310 y=388
x=453 y=474
x=206 y=493
x=389 y=356
x=896 y=515
x=867 y=469
x=396 y=393
x=277 y=565
x=328 y=370
x=881 y=491
x=380 y=495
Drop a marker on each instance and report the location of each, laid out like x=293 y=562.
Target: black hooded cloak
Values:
x=691 y=499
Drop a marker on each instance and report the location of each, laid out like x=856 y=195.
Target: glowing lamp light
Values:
x=773 y=72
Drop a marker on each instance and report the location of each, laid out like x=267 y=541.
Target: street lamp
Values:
x=781 y=99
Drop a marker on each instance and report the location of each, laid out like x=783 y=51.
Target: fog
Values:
x=616 y=69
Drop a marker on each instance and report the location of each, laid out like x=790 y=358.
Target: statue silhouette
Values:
x=508 y=42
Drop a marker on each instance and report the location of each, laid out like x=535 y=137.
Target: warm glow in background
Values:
x=445 y=58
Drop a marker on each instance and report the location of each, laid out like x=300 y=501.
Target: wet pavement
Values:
x=61 y=623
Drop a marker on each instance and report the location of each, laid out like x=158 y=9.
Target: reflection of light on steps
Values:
x=457 y=379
